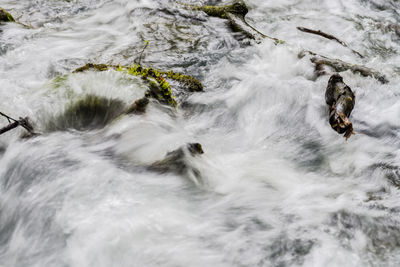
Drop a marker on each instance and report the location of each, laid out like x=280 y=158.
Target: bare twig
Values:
x=330 y=37
x=141 y=54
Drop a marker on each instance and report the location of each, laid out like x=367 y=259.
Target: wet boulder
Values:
x=340 y=99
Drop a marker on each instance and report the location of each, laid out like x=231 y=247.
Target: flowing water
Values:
x=276 y=185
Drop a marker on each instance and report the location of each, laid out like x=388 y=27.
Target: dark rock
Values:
x=341 y=100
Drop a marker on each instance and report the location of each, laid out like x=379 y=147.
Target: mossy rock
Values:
x=238 y=7
x=159 y=88
x=91 y=66
x=5 y=16
x=90 y=112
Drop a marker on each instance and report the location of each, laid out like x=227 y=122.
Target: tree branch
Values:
x=330 y=37
x=23 y=122
x=236 y=12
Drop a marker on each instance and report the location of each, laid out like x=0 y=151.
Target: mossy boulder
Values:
x=159 y=87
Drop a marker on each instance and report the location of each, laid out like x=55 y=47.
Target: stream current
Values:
x=276 y=185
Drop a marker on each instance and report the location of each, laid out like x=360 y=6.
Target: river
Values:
x=276 y=186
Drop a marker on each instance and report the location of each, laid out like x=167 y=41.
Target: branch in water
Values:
x=5 y=16
x=23 y=122
x=339 y=66
x=9 y=127
x=236 y=12
x=330 y=37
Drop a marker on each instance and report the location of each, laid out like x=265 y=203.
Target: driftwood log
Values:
x=339 y=66
x=235 y=13
x=340 y=100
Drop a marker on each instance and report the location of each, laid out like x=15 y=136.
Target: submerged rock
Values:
x=139 y=106
x=88 y=113
x=341 y=100
x=176 y=161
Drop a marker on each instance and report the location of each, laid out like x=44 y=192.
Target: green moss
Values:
x=5 y=16
x=159 y=87
x=10 y=18
x=191 y=83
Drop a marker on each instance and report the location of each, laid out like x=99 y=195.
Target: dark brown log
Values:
x=339 y=66
x=235 y=13
x=9 y=127
x=341 y=100
x=23 y=122
x=330 y=37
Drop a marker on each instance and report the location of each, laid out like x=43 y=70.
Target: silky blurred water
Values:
x=277 y=186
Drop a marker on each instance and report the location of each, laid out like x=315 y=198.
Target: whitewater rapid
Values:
x=277 y=186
